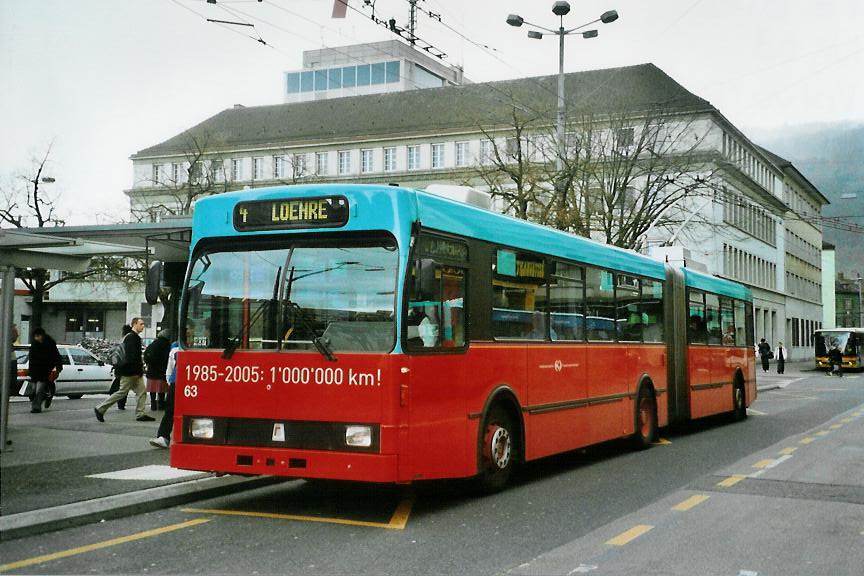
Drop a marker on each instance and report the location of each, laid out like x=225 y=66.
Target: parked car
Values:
x=83 y=373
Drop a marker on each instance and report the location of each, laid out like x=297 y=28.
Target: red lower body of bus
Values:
x=288 y=414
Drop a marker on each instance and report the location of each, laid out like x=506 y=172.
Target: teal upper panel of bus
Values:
x=716 y=285
x=376 y=207
x=449 y=216
x=370 y=208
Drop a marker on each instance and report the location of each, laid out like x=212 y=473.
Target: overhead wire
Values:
x=508 y=98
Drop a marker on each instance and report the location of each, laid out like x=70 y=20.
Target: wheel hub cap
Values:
x=500 y=446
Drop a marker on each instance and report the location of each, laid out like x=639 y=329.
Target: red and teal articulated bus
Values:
x=384 y=334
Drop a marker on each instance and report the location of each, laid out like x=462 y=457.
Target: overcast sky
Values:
x=102 y=79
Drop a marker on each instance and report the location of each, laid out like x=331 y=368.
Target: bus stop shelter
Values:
x=71 y=249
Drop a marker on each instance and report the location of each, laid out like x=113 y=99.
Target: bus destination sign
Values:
x=286 y=214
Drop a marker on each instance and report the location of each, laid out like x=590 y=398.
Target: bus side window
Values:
x=436 y=306
x=740 y=323
x=651 y=309
x=696 y=329
x=519 y=296
x=566 y=302
x=712 y=319
x=600 y=305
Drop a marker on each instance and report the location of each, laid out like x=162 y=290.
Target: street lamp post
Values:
x=561 y=9
x=859 y=280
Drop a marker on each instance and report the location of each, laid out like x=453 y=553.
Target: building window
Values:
x=321 y=163
x=344 y=162
x=486 y=150
x=175 y=172
x=389 y=159
x=278 y=167
x=236 y=169
x=461 y=153
x=437 y=155
x=413 y=157
x=299 y=165
x=623 y=138
x=157 y=173
x=257 y=168
x=366 y=161
x=85 y=320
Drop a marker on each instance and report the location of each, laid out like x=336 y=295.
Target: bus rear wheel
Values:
x=646 y=419
x=739 y=405
x=499 y=450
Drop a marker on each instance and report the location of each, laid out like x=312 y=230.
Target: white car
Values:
x=83 y=373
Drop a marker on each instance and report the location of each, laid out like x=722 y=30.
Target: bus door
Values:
x=434 y=387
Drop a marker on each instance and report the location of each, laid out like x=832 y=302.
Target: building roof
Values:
x=788 y=168
x=467 y=107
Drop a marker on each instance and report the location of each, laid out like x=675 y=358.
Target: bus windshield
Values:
x=826 y=341
x=285 y=296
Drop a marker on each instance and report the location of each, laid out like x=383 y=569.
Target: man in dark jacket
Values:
x=131 y=374
x=44 y=358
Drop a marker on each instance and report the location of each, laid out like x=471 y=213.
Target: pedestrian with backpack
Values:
x=115 y=383
x=129 y=365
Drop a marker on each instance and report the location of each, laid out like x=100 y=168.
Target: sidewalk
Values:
x=65 y=468
x=792 y=371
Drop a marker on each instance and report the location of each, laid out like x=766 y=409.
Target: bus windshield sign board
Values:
x=288 y=213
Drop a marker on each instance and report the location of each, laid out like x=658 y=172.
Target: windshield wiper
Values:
x=235 y=342
x=321 y=344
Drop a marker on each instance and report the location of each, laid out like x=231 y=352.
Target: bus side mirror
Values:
x=153 y=282
x=424 y=288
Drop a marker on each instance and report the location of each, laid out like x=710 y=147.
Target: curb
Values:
x=120 y=505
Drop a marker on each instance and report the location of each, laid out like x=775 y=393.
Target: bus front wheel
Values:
x=646 y=419
x=499 y=447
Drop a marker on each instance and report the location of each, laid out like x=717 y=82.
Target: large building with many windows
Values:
x=753 y=217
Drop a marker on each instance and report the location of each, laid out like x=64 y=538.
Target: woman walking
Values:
x=765 y=354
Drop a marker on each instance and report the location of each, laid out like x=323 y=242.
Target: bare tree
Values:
x=623 y=175
x=198 y=172
x=512 y=169
x=633 y=173
x=29 y=206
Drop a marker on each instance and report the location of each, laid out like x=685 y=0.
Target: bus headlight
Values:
x=359 y=436
x=201 y=428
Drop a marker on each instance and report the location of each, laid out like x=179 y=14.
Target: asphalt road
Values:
x=606 y=510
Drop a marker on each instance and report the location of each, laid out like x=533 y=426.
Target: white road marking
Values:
x=155 y=472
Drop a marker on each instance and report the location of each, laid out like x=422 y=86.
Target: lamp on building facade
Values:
x=561 y=9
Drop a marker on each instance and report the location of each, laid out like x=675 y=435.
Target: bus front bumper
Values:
x=360 y=467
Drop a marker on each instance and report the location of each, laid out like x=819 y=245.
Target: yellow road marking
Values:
x=662 y=442
x=764 y=463
x=807 y=440
x=787 y=450
x=100 y=545
x=731 y=480
x=629 y=535
x=690 y=503
x=401 y=514
x=397 y=521
x=835 y=426
x=756 y=412
x=846 y=420
x=823 y=433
